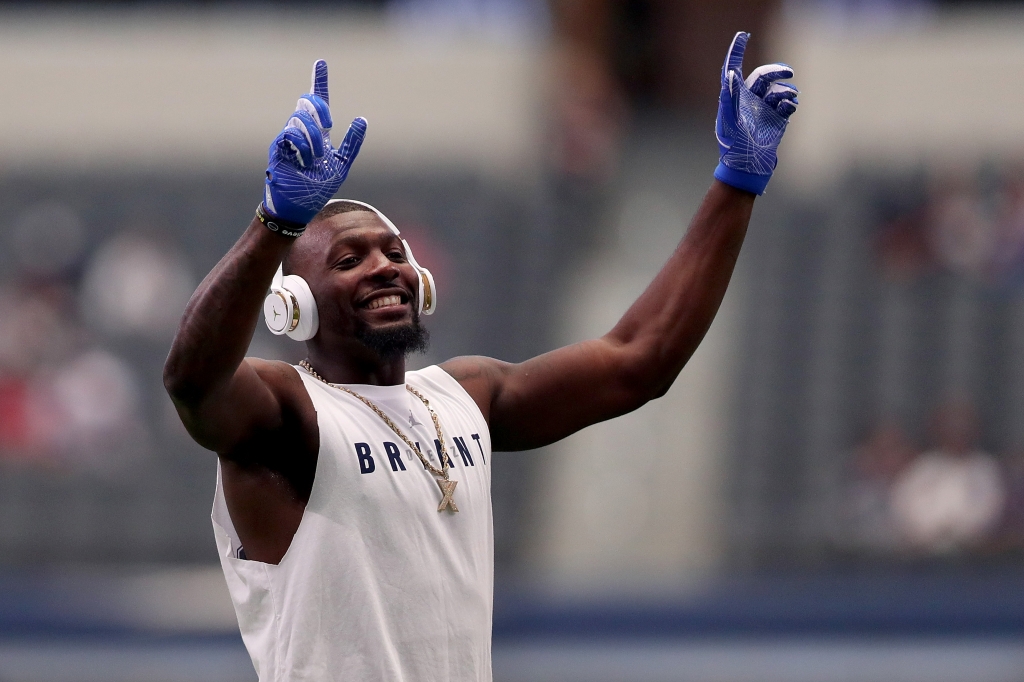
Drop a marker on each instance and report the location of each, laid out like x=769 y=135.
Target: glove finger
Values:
x=735 y=85
x=319 y=86
x=352 y=143
x=317 y=108
x=305 y=123
x=726 y=120
x=774 y=101
x=734 y=57
x=293 y=145
x=787 y=107
x=778 y=92
x=761 y=78
x=779 y=86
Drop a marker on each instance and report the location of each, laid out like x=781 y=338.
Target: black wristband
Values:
x=275 y=224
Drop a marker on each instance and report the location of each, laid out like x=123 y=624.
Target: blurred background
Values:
x=832 y=490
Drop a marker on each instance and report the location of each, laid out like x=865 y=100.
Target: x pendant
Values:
x=447 y=489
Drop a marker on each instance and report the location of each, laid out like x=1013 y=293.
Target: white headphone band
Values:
x=380 y=214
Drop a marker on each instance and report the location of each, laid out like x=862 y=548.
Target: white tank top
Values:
x=377 y=584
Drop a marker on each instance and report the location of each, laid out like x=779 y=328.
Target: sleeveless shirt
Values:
x=377 y=584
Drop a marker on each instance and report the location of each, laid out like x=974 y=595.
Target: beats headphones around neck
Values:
x=290 y=309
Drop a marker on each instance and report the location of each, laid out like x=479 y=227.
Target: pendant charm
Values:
x=447 y=489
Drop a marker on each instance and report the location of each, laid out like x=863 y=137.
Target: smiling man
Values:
x=353 y=510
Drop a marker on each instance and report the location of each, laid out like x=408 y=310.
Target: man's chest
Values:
x=393 y=463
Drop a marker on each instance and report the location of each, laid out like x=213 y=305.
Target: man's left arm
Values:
x=549 y=397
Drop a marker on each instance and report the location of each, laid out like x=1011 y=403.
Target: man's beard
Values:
x=395 y=341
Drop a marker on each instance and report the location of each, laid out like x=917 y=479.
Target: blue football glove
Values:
x=752 y=116
x=305 y=171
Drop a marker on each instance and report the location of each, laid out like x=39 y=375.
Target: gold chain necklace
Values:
x=441 y=475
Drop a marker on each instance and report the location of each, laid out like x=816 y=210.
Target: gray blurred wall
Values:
x=124 y=88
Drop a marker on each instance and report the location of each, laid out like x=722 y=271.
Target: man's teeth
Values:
x=383 y=301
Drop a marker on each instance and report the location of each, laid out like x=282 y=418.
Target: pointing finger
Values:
x=319 y=87
x=734 y=58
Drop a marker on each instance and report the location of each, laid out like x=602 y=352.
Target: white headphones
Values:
x=290 y=309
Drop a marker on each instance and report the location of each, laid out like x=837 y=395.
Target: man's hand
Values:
x=752 y=116
x=305 y=171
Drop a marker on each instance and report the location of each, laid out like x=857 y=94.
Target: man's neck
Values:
x=363 y=367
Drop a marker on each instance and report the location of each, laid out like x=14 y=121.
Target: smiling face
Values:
x=364 y=286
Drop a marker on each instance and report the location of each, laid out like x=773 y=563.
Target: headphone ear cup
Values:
x=428 y=292
x=308 y=319
x=426 y=289
x=278 y=311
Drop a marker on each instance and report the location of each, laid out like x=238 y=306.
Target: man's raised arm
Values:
x=551 y=396
x=222 y=398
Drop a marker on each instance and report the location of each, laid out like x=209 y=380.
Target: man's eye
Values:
x=348 y=262
x=397 y=256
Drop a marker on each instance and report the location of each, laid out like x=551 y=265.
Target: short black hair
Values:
x=337 y=207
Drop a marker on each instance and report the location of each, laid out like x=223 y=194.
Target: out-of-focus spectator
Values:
x=589 y=116
x=962 y=235
x=617 y=56
x=589 y=101
x=902 y=246
x=36 y=328
x=876 y=464
x=1012 y=527
x=134 y=286
x=951 y=497
x=86 y=413
x=1009 y=252
x=37 y=333
x=62 y=404
x=959 y=229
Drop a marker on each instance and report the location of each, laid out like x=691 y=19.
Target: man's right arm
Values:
x=228 y=403
x=221 y=396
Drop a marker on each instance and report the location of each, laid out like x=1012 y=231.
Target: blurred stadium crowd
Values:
x=68 y=401
x=945 y=486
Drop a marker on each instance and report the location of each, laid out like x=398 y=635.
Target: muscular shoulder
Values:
x=480 y=376
x=279 y=376
x=294 y=419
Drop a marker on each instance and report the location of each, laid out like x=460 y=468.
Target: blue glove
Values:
x=752 y=116
x=305 y=171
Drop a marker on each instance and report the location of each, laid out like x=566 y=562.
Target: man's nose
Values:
x=382 y=267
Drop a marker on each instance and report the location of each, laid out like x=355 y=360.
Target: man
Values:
x=353 y=509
